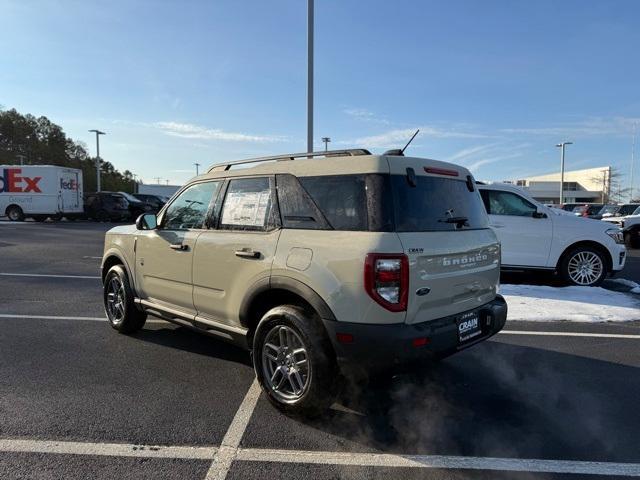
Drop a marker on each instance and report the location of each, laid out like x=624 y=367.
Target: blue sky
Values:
x=493 y=85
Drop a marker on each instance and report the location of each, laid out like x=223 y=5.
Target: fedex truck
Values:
x=40 y=191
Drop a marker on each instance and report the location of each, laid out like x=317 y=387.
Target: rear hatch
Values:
x=454 y=257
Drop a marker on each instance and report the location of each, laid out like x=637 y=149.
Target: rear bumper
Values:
x=376 y=348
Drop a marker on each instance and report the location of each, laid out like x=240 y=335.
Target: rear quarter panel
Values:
x=332 y=264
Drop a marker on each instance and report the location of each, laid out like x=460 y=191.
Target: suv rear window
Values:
x=378 y=203
x=433 y=203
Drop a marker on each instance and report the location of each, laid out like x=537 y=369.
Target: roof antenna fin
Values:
x=400 y=153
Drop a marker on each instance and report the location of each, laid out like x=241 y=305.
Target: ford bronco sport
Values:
x=320 y=264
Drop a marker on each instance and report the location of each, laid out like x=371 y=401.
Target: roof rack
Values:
x=220 y=167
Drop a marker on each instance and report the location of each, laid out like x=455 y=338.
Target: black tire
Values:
x=126 y=318
x=39 y=218
x=103 y=216
x=320 y=383
x=15 y=213
x=590 y=278
x=632 y=239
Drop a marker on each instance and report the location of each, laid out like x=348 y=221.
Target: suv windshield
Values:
x=628 y=209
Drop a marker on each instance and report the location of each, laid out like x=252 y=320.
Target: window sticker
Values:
x=246 y=208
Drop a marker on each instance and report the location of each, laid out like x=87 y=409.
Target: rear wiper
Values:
x=459 y=221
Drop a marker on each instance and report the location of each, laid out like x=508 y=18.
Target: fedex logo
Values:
x=12 y=182
x=69 y=184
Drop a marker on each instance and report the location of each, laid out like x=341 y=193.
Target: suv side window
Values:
x=341 y=198
x=248 y=205
x=506 y=203
x=296 y=208
x=189 y=209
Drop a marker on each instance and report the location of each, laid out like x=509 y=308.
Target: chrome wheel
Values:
x=115 y=300
x=285 y=363
x=585 y=268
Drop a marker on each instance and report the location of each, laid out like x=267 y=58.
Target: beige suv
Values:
x=319 y=264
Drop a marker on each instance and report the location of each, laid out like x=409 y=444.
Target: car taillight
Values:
x=386 y=280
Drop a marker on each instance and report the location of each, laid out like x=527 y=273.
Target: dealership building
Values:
x=590 y=186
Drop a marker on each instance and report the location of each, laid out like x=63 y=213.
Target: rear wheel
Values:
x=102 y=216
x=15 y=213
x=584 y=266
x=118 y=302
x=294 y=361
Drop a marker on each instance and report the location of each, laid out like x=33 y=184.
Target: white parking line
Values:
x=439 y=461
x=229 y=447
x=106 y=449
x=92 y=277
x=450 y=462
x=570 y=334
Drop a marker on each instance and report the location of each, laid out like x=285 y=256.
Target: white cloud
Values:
x=188 y=130
x=588 y=127
x=397 y=138
x=470 y=151
x=473 y=167
x=365 y=115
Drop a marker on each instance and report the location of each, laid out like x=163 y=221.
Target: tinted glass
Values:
x=507 y=203
x=189 y=209
x=627 y=209
x=341 y=198
x=247 y=205
x=436 y=204
x=297 y=210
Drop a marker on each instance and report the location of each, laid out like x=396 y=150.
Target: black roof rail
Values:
x=220 y=167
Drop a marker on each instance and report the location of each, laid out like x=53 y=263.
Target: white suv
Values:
x=534 y=236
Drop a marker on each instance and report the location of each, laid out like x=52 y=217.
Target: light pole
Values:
x=326 y=141
x=197 y=167
x=562 y=145
x=633 y=152
x=98 y=133
x=135 y=182
x=309 y=75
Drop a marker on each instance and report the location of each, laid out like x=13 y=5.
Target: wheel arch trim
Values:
x=278 y=282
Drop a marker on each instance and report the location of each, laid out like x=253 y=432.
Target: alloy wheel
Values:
x=285 y=363
x=115 y=300
x=585 y=268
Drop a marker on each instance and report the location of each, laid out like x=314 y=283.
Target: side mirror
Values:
x=539 y=215
x=147 y=221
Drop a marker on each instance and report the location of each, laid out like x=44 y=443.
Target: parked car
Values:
x=588 y=210
x=631 y=229
x=136 y=206
x=609 y=211
x=153 y=202
x=106 y=206
x=353 y=262
x=623 y=211
x=532 y=236
x=570 y=206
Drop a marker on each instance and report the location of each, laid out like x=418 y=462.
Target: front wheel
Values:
x=118 y=296
x=584 y=266
x=294 y=361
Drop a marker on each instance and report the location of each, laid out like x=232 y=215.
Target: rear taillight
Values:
x=386 y=280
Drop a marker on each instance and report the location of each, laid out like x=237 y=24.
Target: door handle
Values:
x=179 y=246
x=248 y=253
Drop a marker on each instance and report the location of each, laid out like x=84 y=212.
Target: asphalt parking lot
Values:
x=78 y=400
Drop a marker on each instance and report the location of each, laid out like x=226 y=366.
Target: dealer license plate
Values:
x=469 y=326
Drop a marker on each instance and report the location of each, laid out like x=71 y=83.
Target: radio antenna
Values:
x=410 y=140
